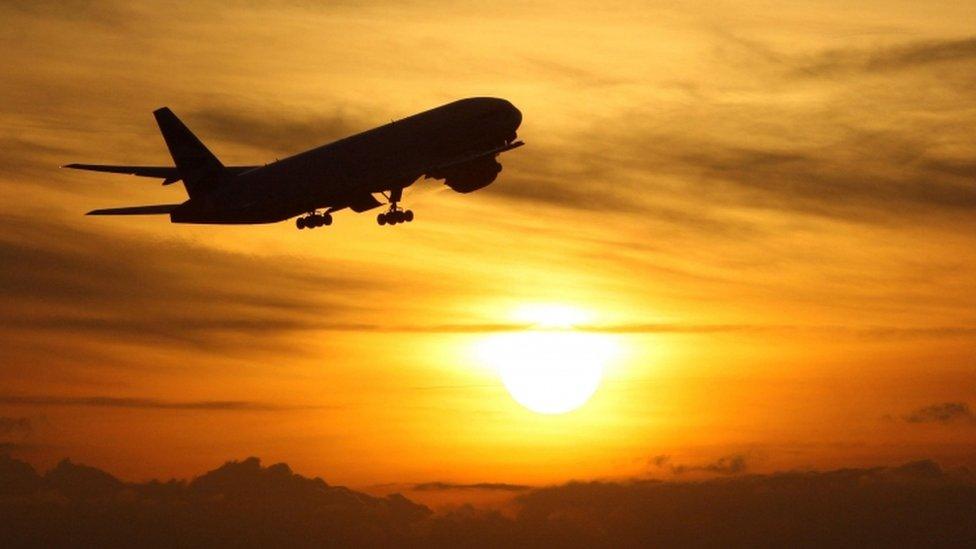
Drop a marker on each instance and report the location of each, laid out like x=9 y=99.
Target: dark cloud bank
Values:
x=244 y=504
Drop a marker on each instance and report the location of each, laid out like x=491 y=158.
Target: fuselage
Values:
x=345 y=173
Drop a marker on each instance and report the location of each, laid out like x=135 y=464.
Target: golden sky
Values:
x=768 y=210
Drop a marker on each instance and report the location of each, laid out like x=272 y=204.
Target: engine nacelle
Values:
x=471 y=176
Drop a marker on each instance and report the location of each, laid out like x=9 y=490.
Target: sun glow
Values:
x=551 y=369
x=551 y=316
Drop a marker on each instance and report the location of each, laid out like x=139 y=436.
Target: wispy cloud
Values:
x=140 y=403
x=66 y=279
x=283 y=132
x=892 y=58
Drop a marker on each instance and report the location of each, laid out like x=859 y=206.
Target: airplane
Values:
x=458 y=142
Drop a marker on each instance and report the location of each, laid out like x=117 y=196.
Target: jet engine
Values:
x=471 y=176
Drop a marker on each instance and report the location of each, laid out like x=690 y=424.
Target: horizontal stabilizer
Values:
x=155 y=209
x=162 y=172
x=169 y=174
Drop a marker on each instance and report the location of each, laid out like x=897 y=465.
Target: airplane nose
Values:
x=516 y=116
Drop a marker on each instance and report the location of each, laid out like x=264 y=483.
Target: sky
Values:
x=766 y=210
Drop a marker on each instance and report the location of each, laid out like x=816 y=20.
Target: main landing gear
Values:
x=395 y=215
x=313 y=220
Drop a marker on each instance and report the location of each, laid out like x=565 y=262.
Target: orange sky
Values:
x=770 y=210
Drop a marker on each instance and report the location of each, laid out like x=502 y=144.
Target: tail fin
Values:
x=199 y=168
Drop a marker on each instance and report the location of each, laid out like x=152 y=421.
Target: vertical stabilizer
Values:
x=200 y=170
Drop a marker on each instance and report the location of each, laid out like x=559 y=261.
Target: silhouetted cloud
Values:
x=129 y=402
x=733 y=464
x=496 y=486
x=946 y=412
x=247 y=505
x=659 y=460
x=240 y=504
x=726 y=465
x=834 y=508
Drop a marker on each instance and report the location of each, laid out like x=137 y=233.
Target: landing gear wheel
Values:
x=394 y=215
x=313 y=220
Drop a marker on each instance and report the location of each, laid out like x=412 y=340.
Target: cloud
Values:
x=862 y=175
x=279 y=132
x=139 y=403
x=494 y=486
x=945 y=413
x=64 y=281
x=104 y=12
x=832 y=508
x=892 y=58
x=733 y=464
x=849 y=150
x=659 y=460
x=241 y=503
x=27 y=160
x=726 y=465
x=245 y=504
x=57 y=278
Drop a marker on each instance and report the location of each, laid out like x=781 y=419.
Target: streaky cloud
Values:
x=491 y=486
x=141 y=403
x=891 y=58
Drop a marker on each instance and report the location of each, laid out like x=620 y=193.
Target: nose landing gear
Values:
x=313 y=220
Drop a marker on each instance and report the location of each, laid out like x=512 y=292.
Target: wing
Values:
x=470 y=157
x=168 y=174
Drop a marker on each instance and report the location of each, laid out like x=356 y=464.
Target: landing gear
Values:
x=395 y=215
x=313 y=220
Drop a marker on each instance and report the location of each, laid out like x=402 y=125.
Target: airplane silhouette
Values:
x=457 y=142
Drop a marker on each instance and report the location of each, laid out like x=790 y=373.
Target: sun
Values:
x=550 y=369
